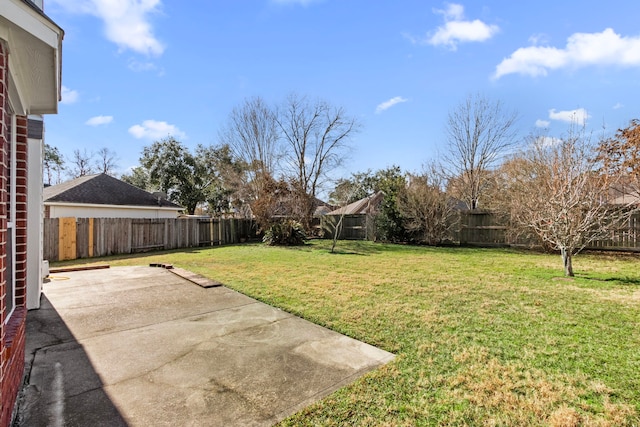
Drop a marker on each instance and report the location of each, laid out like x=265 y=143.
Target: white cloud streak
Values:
x=390 y=103
x=99 y=120
x=458 y=30
x=578 y=116
x=542 y=123
x=582 y=50
x=126 y=22
x=69 y=96
x=153 y=129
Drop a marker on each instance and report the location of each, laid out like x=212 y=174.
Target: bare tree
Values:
x=556 y=192
x=316 y=137
x=253 y=137
x=107 y=161
x=479 y=132
x=81 y=163
x=429 y=213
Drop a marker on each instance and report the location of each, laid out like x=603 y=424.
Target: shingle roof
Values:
x=363 y=206
x=102 y=189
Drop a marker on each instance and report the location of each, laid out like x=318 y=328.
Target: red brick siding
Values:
x=12 y=334
x=5 y=394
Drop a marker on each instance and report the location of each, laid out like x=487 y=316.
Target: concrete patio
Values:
x=142 y=346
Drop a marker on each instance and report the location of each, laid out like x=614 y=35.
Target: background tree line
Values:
x=271 y=162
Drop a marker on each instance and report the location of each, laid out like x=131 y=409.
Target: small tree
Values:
x=558 y=194
x=273 y=213
x=429 y=214
x=341 y=197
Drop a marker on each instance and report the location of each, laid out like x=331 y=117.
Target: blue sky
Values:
x=135 y=71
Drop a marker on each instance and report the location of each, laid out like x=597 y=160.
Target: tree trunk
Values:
x=567 y=262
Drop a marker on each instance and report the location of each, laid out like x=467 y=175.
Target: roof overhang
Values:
x=35 y=57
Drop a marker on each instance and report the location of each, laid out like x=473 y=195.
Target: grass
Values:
x=482 y=336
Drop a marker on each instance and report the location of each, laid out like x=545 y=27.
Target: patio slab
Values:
x=141 y=346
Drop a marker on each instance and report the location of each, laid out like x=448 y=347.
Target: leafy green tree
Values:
x=52 y=164
x=391 y=182
x=138 y=177
x=176 y=172
x=227 y=178
x=356 y=187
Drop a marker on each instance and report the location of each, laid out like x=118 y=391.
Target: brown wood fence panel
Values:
x=83 y=238
x=147 y=234
x=51 y=239
x=88 y=237
x=485 y=228
x=354 y=227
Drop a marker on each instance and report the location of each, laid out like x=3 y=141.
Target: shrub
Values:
x=287 y=232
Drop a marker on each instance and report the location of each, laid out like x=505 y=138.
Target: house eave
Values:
x=133 y=207
x=35 y=55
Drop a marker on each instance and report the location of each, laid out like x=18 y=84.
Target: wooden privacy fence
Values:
x=354 y=227
x=71 y=238
x=485 y=228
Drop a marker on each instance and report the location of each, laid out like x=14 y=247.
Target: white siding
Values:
x=34 y=223
x=108 y=211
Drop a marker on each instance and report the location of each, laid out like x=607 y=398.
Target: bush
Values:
x=287 y=232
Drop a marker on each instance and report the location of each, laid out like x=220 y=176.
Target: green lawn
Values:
x=482 y=336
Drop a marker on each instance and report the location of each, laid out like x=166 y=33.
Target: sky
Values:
x=136 y=71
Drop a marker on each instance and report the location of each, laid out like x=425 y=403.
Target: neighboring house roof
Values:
x=363 y=206
x=102 y=189
x=627 y=193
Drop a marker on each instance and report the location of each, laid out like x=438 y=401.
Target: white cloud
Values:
x=390 y=103
x=582 y=50
x=457 y=30
x=126 y=22
x=578 y=116
x=153 y=129
x=139 y=67
x=99 y=120
x=618 y=106
x=546 y=141
x=69 y=96
x=542 y=123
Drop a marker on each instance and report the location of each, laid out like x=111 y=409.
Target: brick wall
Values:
x=12 y=333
